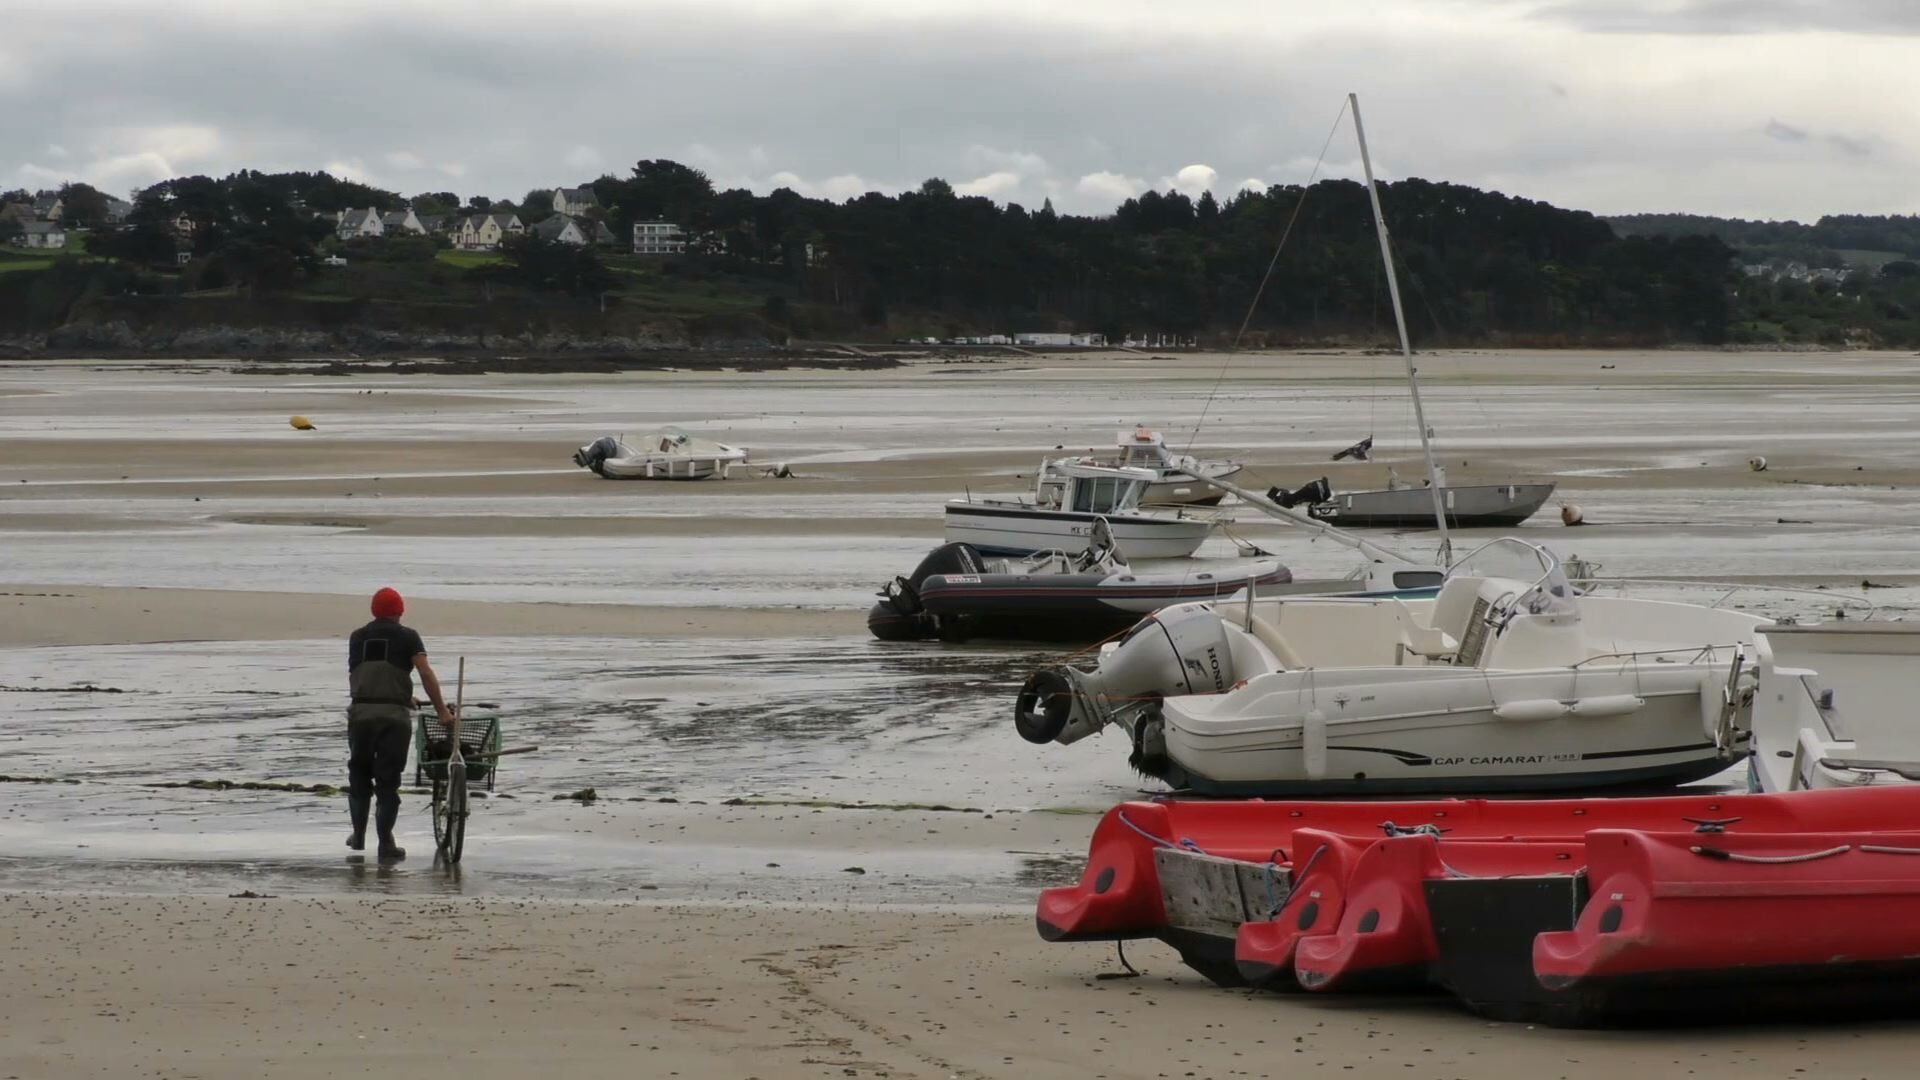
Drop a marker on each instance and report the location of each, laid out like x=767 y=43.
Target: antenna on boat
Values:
x=1436 y=476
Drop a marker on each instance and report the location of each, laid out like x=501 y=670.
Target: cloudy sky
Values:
x=1753 y=108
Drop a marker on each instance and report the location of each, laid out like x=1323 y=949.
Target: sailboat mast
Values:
x=1436 y=476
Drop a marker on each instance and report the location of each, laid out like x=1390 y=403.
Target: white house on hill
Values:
x=560 y=229
x=574 y=201
x=658 y=238
x=359 y=223
x=398 y=221
x=44 y=234
x=484 y=232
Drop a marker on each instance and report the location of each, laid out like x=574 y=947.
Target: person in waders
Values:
x=381 y=659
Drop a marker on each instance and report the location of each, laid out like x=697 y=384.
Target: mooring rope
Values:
x=1185 y=843
x=1268 y=276
x=1735 y=856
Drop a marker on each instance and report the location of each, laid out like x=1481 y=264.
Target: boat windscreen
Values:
x=1105 y=494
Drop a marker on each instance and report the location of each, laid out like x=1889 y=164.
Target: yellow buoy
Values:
x=301 y=423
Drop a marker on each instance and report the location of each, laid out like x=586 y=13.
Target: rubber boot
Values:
x=383 y=824
x=357 y=806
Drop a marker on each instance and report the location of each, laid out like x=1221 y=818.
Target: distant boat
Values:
x=1068 y=500
x=1474 y=505
x=666 y=454
x=1177 y=475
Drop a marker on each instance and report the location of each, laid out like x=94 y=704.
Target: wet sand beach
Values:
x=240 y=988
x=806 y=853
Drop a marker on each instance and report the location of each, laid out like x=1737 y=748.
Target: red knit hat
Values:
x=388 y=605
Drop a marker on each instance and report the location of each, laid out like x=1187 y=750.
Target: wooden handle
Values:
x=459 y=687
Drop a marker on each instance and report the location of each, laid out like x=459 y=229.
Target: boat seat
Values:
x=1907 y=770
x=1420 y=639
x=1269 y=635
x=1453 y=608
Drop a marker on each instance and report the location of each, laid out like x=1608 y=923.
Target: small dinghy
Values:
x=1577 y=911
x=667 y=454
x=1466 y=506
x=955 y=594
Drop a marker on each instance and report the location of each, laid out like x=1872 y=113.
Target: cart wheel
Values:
x=440 y=815
x=456 y=827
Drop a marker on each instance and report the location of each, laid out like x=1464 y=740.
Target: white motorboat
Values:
x=1177 y=477
x=666 y=454
x=1506 y=681
x=1835 y=706
x=1068 y=499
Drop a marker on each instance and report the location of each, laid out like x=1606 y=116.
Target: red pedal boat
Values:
x=1570 y=911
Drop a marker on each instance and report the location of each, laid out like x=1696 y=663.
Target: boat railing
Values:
x=1695 y=653
x=1867 y=609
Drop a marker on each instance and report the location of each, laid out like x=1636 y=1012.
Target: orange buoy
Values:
x=301 y=423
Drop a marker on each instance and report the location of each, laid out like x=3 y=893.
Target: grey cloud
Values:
x=1851 y=146
x=1785 y=132
x=1735 y=16
x=495 y=103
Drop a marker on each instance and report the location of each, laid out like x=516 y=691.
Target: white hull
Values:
x=1419 y=730
x=1834 y=707
x=1503 y=682
x=668 y=467
x=1006 y=528
x=1180 y=489
x=668 y=454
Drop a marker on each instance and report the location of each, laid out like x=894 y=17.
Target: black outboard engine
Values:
x=591 y=455
x=1308 y=495
x=899 y=616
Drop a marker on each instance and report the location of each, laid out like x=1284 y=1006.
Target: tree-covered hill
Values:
x=1476 y=267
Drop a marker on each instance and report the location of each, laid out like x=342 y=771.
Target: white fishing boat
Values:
x=1179 y=479
x=1507 y=681
x=1068 y=500
x=666 y=454
x=1835 y=706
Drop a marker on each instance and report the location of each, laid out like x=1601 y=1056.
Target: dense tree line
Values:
x=1475 y=266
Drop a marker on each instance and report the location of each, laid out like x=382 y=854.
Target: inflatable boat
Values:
x=1573 y=912
x=956 y=594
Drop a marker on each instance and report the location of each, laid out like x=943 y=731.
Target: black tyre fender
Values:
x=1041 y=711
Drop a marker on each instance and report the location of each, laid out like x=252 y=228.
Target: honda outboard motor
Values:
x=1181 y=650
x=591 y=455
x=1317 y=492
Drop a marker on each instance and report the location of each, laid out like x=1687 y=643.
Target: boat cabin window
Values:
x=1140 y=455
x=1103 y=494
x=1417 y=579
